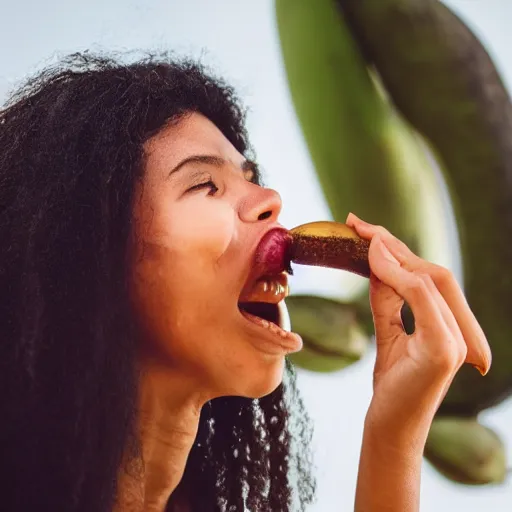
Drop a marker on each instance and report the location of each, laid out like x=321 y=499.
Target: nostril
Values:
x=264 y=215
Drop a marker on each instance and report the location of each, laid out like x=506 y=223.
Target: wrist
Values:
x=398 y=430
x=407 y=410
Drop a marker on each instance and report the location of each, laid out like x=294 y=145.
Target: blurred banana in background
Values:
x=465 y=451
x=364 y=154
x=331 y=333
x=373 y=84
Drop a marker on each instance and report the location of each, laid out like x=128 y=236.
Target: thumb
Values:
x=386 y=304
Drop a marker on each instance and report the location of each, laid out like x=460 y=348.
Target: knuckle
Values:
x=419 y=285
x=446 y=360
x=400 y=244
x=463 y=352
x=452 y=357
x=442 y=274
x=383 y=231
x=426 y=278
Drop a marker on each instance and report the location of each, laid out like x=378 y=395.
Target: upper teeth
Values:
x=268 y=289
x=275 y=288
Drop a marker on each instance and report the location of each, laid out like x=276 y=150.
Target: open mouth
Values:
x=263 y=295
x=265 y=299
x=264 y=310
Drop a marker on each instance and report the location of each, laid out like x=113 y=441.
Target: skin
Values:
x=191 y=261
x=412 y=372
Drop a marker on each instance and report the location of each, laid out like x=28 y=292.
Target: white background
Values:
x=238 y=39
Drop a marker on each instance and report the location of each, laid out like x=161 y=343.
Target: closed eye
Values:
x=210 y=184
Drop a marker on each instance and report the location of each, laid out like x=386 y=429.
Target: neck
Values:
x=168 y=420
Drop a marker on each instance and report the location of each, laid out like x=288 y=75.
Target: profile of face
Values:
x=199 y=218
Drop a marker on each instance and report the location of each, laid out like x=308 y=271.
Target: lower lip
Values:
x=288 y=341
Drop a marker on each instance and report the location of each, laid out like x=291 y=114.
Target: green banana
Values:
x=465 y=451
x=357 y=141
x=330 y=331
x=364 y=155
x=442 y=80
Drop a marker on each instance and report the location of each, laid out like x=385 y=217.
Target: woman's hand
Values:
x=412 y=372
x=446 y=334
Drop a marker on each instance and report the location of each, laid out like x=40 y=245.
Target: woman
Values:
x=130 y=215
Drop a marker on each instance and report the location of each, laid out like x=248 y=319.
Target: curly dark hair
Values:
x=71 y=152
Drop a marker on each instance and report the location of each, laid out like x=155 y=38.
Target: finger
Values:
x=427 y=315
x=458 y=347
x=452 y=324
x=386 y=305
x=478 y=349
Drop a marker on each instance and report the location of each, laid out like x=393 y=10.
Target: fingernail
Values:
x=351 y=217
x=483 y=366
x=384 y=251
x=481 y=370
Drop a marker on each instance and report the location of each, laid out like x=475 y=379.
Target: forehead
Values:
x=193 y=134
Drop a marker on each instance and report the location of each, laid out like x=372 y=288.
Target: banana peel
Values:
x=466 y=452
x=442 y=80
x=330 y=330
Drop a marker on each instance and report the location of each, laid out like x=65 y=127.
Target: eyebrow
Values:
x=247 y=165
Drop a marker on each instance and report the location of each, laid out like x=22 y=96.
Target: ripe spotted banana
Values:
x=331 y=330
x=330 y=244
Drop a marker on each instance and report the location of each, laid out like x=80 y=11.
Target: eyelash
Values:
x=208 y=183
x=212 y=186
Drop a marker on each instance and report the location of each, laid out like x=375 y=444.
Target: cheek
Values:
x=202 y=229
x=194 y=333
x=176 y=275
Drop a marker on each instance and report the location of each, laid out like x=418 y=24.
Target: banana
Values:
x=369 y=160
x=366 y=158
x=442 y=80
x=337 y=245
x=330 y=331
x=330 y=244
x=364 y=155
x=466 y=452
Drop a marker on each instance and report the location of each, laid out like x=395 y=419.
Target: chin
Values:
x=266 y=381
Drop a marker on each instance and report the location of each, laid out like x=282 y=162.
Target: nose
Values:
x=261 y=204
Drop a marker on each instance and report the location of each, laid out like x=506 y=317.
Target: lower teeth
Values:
x=284 y=317
x=269 y=325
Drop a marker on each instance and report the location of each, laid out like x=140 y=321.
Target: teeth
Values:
x=275 y=288
x=267 y=288
x=284 y=317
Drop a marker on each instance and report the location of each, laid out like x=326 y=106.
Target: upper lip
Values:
x=271 y=255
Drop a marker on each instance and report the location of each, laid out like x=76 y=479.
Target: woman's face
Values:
x=194 y=263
